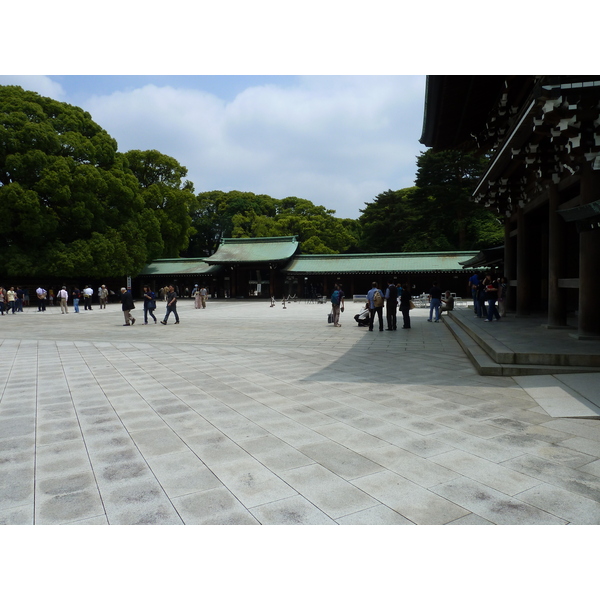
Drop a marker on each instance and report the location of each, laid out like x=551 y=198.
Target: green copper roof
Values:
x=406 y=262
x=254 y=250
x=179 y=266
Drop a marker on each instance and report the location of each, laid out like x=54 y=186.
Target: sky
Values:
x=324 y=103
x=336 y=140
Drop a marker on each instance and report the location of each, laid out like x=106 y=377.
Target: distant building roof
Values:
x=406 y=262
x=254 y=250
x=485 y=258
x=179 y=266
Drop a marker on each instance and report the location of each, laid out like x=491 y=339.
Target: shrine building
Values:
x=542 y=134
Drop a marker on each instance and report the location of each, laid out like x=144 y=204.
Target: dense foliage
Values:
x=244 y=214
x=437 y=214
x=167 y=195
x=71 y=204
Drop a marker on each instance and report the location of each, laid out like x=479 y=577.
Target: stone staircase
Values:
x=491 y=357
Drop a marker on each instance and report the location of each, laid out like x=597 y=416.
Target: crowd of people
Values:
x=12 y=300
x=491 y=290
x=398 y=297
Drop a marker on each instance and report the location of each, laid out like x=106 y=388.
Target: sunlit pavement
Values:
x=247 y=414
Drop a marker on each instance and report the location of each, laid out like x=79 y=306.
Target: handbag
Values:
x=411 y=304
x=330 y=317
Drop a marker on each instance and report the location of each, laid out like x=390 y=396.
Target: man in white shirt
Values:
x=88 y=292
x=63 y=296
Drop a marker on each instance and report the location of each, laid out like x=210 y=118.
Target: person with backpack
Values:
x=375 y=300
x=337 y=304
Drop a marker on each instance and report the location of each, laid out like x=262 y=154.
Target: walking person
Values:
x=63 y=296
x=103 y=296
x=171 y=306
x=127 y=306
x=435 y=300
x=391 y=305
x=149 y=304
x=203 y=296
x=196 y=296
x=76 y=295
x=337 y=305
x=19 y=299
x=375 y=300
x=10 y=300
x=405 y=299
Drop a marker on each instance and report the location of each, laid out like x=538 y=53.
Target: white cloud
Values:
x=336 y=141
x=37 y=83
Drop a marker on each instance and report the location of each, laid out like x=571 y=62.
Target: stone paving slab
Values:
x=246 y=414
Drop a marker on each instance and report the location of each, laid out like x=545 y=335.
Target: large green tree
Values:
x=316 y=227
x=68 y=204
x=244 y=214
x=445 y=216
x=384 y=221
x=166 y=193
x=213 y=216
x=437 y=214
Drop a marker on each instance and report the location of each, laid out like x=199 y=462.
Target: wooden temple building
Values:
x=274 y=267
x=542 y=134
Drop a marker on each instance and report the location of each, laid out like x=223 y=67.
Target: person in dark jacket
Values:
x=171 y=306
x=405 y=305
x=128 y=306
x=435 y=300
x=391 y=305
x=149 y=304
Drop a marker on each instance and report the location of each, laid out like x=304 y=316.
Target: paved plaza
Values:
x=246 y=414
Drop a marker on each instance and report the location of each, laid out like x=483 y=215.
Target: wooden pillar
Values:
x=508 y=264
x=523 y=278
x=589 y=259
x=557 y=311
x=233 y=282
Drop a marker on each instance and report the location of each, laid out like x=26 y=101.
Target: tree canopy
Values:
x=163 y=191
x=437 y=214
x=68 y=204
x=71 y=204
x=244 y=214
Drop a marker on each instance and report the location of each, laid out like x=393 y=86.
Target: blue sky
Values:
x=337 y=141
x=341 y=128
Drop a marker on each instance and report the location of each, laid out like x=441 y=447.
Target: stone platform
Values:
x=246 y=414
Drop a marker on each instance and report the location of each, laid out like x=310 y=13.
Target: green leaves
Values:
x=68 y=206
x=438 y=214
x=244 y=214
x=163 y=192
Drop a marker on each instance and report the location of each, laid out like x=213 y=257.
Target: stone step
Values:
x=486 y=365
x=501 y=354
